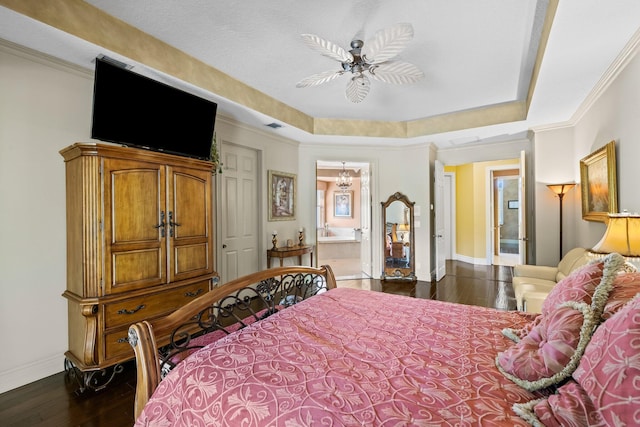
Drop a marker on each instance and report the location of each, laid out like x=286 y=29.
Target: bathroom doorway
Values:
x=506 y=215
x=343 y=218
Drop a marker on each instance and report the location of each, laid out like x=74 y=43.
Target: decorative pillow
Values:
x=551 y=351
x=605 y=390
x=577 y=286
x=516 y=335
x=625 y=287
x=571 y=408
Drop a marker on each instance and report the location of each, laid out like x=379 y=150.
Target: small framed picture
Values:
x=513 y=204
x=282 y=196
x=343 y=204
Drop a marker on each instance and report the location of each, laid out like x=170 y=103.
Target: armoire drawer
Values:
x=116 y=346
x=133 y=310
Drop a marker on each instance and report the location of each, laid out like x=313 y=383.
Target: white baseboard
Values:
x=471 y=260
x=22 y=375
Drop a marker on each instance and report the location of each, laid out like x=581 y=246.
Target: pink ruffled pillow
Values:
x=605 y=389
x=577 y=286
x=569 y=407
x=556 y=340
x=516 y=335
x=625 y=287
x=547 y=354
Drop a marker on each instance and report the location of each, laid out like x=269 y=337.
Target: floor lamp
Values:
x=560 y=190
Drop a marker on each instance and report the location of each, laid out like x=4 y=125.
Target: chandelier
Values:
x=344 y=180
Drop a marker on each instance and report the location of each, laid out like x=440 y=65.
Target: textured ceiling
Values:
x=480 y=58
x=259 y=43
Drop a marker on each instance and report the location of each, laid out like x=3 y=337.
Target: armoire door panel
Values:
x=189 y=221
x=192 y=258
x=134 y=224
x=135 y=205
x=136 y=269
x=189 y=211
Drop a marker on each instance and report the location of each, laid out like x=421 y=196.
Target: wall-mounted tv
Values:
x=134 y=110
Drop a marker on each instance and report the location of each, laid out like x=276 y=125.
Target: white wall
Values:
x=554 y=163
x=609 y=113
x=43 y=108
x=615 y=116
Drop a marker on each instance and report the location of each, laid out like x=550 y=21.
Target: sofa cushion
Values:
x=535 y=271
x=528 y=285
x=533 y=281
x=573 y=259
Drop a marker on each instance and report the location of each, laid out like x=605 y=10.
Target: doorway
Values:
x=505 y=216
x=343 y=219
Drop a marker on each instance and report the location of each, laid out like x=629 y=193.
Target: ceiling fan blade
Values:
x=320 y=78
x=396 y=73
x=387 y=43
x=358 y=88
x=326 y=48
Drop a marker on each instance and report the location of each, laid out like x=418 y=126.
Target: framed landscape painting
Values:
x=598 y=184
x=282 y=196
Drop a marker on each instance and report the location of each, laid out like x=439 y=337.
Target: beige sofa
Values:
x=532 y=283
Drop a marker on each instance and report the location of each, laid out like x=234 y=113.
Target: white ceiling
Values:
x=474 y=53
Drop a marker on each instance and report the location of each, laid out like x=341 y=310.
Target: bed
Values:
x=285 y=347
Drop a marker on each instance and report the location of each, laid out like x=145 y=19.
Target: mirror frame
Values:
x=392 y=272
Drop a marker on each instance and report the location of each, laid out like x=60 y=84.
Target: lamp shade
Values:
x=561 y=189
x=622 y=236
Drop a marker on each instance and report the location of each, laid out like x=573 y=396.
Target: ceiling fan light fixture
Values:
x=373 y=58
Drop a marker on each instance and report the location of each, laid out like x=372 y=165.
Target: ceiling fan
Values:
x=364 y=60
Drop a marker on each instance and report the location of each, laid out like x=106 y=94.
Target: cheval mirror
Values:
x=398 y=240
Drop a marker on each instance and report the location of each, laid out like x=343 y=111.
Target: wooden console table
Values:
x=292 y=251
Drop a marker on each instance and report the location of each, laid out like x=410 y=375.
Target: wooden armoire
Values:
x=140 y=244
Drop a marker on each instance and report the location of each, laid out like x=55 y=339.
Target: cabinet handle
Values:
x=172 y=224
x=194 y=294
x=161 y=225
x=125 y=311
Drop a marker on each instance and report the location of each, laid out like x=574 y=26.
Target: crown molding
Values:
x=617 y=66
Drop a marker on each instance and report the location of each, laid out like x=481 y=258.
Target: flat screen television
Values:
x=134 y=110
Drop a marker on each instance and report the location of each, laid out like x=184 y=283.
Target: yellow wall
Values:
x=471 y=206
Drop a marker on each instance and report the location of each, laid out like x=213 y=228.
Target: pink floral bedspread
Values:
x=349 y=357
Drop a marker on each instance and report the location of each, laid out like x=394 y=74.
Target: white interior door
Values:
x=365 y=220
x=522 y=223
x=439 y=234
x=238 y=212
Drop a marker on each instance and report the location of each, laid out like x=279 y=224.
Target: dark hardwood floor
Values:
x=53 y=401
